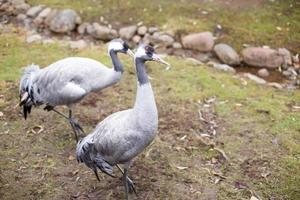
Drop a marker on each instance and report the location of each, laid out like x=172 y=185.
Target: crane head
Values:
x=119 y=46
x=147 y=53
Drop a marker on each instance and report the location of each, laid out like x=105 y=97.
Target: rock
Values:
x=48 y=41
x=44 y=13
x=296 y=59
x=80 y=44
x=222 y=67
x=21 y=17
x=136 y=39
x=103 y=32
x=34 y=11
x=82 y=28
x=142 y=30
x=255 y=78
x=64 y=21
x=275 y=85
x=161 y=38
x=90 y=29
x=199 y=41
x=194 y=61
x=127 y=32
x=34 y=38
x=22 y=7
x=263 y=72
x=50 y=16
x=287 y=57
x=262 y=57
x=227 y=54
x=176 y=45
x=152 y=30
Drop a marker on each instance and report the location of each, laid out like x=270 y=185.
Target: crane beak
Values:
x=130 y=53
x=156 y=58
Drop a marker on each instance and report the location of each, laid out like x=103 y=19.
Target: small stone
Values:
x=275 y=85
x=103 y=32
x=48 y=41
x=34 y=11
x=255 y=78
x=21 y=17
x=152 y=30
x=136 y=39
x=161 y=38
x=82 y=28
x=22 y=7
x=44 y=13
x=127 y=32
x=176 y=45
x=80 y=44
x=142 y=30
x=222 y=67
x=227 y=54
x=203 y=41
x=33 y=38
x=263 y=72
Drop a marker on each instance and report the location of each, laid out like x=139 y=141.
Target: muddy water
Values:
x=275 y=75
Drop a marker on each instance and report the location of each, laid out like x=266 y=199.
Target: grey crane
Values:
x=67 y=81
x=123 y=135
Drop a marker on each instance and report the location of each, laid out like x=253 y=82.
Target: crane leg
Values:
x=125 y=183
x=130 y=183
x=75 y=126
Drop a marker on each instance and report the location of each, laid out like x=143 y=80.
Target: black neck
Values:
x=141 y=71
x=118 y=67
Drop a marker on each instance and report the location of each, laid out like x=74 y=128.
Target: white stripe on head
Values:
x=115 y=45
x=140 y=52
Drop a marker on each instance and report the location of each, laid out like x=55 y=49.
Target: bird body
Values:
x=125 y=134
x=67 y=81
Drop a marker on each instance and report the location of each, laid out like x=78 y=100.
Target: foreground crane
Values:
x=125 y=134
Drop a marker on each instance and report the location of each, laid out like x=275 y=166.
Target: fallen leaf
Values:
x=181 y=168
x=254 y=198
x=71 y=157
x=1 y=114
x=222 y=153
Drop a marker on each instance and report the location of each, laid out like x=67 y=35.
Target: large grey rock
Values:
x=127 y=32
x=262 y=57
x=255 y=78
x=34 y=11
x=203 y=42
x=64 y=21
x=102 y=32
x=227 y=54
x=161 y=38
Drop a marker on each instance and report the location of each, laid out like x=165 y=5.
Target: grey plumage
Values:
x=125 y=134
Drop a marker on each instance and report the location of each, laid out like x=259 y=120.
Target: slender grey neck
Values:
x=141 y=71
x=118 y=67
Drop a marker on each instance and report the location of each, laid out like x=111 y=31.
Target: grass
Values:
x=255 y=25
x=42 y=166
